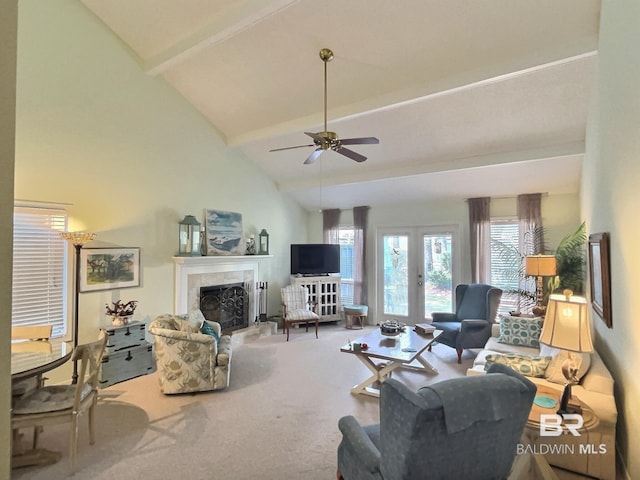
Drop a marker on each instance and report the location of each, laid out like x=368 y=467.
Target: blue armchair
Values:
x=466 y=427
x=470 y=325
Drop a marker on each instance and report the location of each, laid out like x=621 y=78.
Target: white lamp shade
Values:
x=566 y=324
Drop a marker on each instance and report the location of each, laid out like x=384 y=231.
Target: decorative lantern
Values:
x=189 y=237
x=263 y=243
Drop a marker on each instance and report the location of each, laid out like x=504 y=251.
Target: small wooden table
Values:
x=403 y=350
x=532 y=429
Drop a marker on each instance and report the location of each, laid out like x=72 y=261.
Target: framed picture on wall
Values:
x=109 y=268
x=600 y=276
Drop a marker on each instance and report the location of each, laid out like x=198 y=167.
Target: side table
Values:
x=128 y=354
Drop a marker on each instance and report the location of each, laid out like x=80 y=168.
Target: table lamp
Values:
x=567 y=327
x=540 y=266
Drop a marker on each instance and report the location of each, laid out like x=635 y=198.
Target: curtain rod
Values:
x=502 y=197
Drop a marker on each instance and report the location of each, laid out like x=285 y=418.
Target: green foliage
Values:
x=440 y=278
x=571 y=261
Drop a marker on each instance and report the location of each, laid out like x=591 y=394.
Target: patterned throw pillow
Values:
x=208 y=330
x=520 y=331
x=523 y=364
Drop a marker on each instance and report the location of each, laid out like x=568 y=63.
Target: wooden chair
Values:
x=58 y=404
x=31 y=332
x=297 y=308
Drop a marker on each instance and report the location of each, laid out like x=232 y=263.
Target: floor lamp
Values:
x=567 y=327
x=77 y=239
x=540 y=266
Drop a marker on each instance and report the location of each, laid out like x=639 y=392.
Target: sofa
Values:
x=191 y=353
x=592 y=453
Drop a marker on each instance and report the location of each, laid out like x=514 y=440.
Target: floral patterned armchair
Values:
x=187 y=359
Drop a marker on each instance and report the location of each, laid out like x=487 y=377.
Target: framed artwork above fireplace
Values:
x=224 y=234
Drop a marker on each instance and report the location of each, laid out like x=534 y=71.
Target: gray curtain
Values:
x=480 y=237
x=530 y=223
x=330 y=225
x=360 y=223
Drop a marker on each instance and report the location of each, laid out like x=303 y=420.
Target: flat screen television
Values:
x=315 y=259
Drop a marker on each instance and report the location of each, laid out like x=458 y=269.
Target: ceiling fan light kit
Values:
x=327 y=140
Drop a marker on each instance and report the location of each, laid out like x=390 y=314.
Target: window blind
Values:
x=505 y=261
x=39 y=260
x=345 y=239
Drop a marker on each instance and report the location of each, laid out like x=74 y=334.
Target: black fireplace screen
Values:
x=226 y=304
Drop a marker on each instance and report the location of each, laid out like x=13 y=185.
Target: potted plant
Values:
x=121 y=313
x=570 y=265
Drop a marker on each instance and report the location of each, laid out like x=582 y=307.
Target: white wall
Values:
x=8 y=38
x=130 y=156
x=561 y=216
x=611 y=196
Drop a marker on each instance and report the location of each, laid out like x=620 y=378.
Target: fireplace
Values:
x=193 y=274
x=226 y=304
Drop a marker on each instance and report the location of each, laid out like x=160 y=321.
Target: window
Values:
x=505 y=262
x=345 y=239
x=39 y=260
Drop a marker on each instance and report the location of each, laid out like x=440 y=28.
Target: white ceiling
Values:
x=468 y=97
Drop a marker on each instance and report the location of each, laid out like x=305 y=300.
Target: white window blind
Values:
x=39 y=259
x=505 y=261
x=345 y=239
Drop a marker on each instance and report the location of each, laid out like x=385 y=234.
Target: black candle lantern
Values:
x=263 y=243
x=189 y=237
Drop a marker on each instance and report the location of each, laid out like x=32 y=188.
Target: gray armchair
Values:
x=466 y=427
x=470 y=325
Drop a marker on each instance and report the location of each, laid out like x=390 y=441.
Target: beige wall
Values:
x=611 y=180
x=130 y=158
x=8 y=37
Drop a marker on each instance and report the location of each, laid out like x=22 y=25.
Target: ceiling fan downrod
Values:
x=326 y=56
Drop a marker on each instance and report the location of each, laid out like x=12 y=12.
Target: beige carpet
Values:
x=277 y=420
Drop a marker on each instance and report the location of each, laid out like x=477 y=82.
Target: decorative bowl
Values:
x=391 y=328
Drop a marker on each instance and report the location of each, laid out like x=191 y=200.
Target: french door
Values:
x=417 y=269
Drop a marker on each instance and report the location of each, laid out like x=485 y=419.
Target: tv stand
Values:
x=324 y=291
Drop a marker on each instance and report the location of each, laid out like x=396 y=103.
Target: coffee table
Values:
x=386 y=353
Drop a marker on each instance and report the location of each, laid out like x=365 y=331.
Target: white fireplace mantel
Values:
x=191 y=273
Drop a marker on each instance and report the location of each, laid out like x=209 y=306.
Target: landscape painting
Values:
x=224 y=233
x=109 y=268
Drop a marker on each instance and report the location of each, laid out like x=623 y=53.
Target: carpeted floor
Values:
x=277 y=420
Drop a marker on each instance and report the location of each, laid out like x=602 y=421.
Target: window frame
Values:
x=36 y=235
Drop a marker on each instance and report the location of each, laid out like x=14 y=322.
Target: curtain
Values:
x=480 y=237
x=331 y=225
x=530 y=223
x=360 y=223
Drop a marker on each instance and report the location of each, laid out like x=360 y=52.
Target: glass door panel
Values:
x=395 y=284
x=437 y=268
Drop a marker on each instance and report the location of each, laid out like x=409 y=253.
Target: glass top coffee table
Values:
x=386 y=353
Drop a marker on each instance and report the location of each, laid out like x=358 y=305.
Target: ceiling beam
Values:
x=234 y=21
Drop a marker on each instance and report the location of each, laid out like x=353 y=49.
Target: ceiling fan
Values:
x=327 y=140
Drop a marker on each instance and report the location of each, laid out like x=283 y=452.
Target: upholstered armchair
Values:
x=470 y=325
x=467 y=427
x=187 y=359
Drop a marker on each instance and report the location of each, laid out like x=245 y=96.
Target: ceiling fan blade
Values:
x=314 y=156
x=289 y=148
x=360 y=141
x=351 y=154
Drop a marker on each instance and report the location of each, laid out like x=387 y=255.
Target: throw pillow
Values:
x=209 y=330
x=554 y=370
x=523 y=364
x=520 y=331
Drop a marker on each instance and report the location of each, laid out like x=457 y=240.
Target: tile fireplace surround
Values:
x=192 y=273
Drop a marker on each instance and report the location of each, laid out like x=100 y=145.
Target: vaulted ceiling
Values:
x=467 y=97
